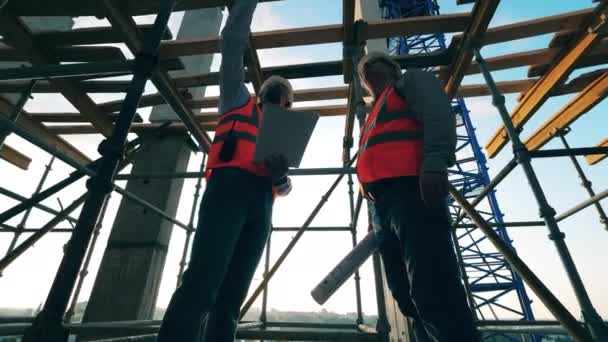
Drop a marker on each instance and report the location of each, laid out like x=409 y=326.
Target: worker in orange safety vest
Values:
x=406 y=145
x=236 y=209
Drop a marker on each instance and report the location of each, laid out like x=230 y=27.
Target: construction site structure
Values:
x=77 y=62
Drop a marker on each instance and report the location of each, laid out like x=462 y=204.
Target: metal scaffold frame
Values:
x=421 y=31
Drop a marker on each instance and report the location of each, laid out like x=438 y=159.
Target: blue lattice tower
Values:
x=498 y=293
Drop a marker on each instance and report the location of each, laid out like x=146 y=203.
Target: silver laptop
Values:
x=285 y=132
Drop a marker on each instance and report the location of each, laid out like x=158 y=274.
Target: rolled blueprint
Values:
x=351 y=263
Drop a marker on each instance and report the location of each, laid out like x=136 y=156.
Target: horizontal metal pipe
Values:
x=506 y=224
x=567 y=152
x=582 y=205
x=32 y=239
x=313 y=229
x=23 y=133
x=33 y=230
x=292 y=172
x=68 y=160
x=40 y=206
x=43 y=72
x=150 y=206
x=310 y=325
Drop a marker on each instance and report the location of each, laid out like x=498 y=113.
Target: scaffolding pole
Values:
x=292 y=243
x=21 y=225
x=585 y=182
x=595 y=325
x=85 y=267
x=197 y=191
x=48 y=323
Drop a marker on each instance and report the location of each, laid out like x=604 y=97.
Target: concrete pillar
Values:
x=369 y=10
x=128 y=280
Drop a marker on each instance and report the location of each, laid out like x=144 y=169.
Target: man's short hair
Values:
x=379 y=57
x=272 y=89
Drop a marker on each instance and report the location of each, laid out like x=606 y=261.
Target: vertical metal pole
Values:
x=48 y=324
x=183 y=263
x=18 y=108
x=23 y=222
x=85 y=267
x=585 y=182
x=353 y=230
x=594 y=322
x=263 y=314
x=382 y=326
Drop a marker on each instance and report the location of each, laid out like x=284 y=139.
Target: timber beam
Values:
x=324 y=34
x=596 y=158
x=89 y=36
x=67 y=54
x=534 y=27
x=43 y=133
x=15 y=157
x=534 y=98
x=19 y=36
x=80 y=8
x=593 y=94
x=483 y=11
x=161 y=79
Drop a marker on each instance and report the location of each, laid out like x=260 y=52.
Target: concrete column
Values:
x=128 y=280
x=369 y=10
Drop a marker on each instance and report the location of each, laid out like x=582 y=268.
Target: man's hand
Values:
x=433 y=188
x=278 y=166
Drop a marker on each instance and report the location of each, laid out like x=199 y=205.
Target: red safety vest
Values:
x=390 y=143
x=243 y=123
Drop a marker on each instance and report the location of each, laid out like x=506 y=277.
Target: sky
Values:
x=29 y=278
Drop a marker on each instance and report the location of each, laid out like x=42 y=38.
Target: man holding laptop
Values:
x=236 y=208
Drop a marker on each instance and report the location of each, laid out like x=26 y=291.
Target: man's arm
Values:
x=235 y=36
x=426 y=97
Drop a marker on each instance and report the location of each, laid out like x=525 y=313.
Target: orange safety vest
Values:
x=243 y=123
x=390 y=143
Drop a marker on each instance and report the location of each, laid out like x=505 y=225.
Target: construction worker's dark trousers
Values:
x=233 y=226
x=420 y=262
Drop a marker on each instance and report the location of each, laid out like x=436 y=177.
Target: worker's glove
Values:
x=433 y=188
x=278 y=166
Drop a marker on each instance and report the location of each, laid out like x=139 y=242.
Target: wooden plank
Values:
x=160 y=77
x=42 y=132
x=597 y=55
x=593 y=94
x=540 y=92
x=88 y=36
x=207 y=120
x=15 y=157
x=514 y=60
x=77 y=8
x=596 y=158
x=19 y=36
x=322 y=34
x=505 y=87
x=67 y=54
x=534 y=27
x=483 y=11
x=72 y=117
